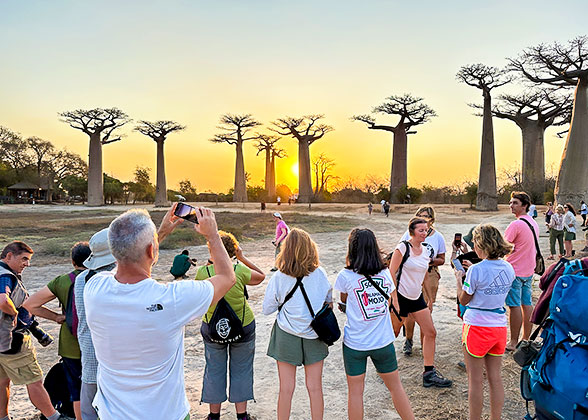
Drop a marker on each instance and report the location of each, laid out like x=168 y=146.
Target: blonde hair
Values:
x=428 y=210
x=490 y=240
x=559 y=209
x=299 y=254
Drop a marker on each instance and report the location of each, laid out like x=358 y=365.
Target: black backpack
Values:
x=224 y=325
x=56 y=385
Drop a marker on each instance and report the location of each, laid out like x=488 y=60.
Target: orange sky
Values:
x=193 y=61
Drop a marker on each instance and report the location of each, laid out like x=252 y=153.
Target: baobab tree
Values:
x=411 y=111
x=235 y=129
x=322 y=167
x=267 y=144
x=306 y=130
x=564 y=66
x=99 y=124
x=485 y=78
x=158 y=132
x=533 y=111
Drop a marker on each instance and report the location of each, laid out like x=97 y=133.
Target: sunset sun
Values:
x=295 y=169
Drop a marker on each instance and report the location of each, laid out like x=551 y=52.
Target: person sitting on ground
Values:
x=438 y=249
x=569 y=229
x=293 y=342
x=368 y=330
x=137 y=324
x=69 y=349
x=100 y=259
x=411 y=302
x=18 y=359
x=282 y=230
x=241 y=352
x=181 y=265
x=556 y=232
x=484 y=291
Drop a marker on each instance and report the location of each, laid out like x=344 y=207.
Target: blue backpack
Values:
x=558 y=377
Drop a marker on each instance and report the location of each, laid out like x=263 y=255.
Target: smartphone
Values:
x=186 y=212
x=457 y=239
x=457 y=265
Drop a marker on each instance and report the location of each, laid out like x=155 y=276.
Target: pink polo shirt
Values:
x=279 y=227
x=522 y=258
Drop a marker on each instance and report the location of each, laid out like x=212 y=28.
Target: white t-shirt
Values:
x=436 y=241
x=532 y=209
x=410 y=285
x=295 y=318
x=138 y=334
x=489 y=282
x=368 y=325
x=584 y=209
x=570 y=219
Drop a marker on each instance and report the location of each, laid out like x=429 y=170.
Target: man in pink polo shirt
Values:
x=282 y=231
x=522 y=259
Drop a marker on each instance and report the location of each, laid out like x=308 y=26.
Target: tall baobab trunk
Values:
x=240 y=189
x=533 y=157
x=95 y=175
x=572 y=182
x=487 y=199
x=270 y=176
x=398 y=178
x=160 y=185
x=304 y=181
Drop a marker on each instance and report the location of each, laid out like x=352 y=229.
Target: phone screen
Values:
x=186 y=212
x=457 y=265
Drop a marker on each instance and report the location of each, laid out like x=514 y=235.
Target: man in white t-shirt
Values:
x=137 y=324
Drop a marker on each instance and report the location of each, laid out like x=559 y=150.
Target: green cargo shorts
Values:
x=297 y=351
x=384 y=359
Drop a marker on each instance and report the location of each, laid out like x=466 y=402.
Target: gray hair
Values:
x=130 y=234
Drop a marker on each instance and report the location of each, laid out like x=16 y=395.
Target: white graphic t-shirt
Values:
x=368 y=325
x=489 y=282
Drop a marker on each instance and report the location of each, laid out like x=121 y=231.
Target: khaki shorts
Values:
x=22 y=368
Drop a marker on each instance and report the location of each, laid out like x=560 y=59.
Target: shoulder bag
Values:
x=539 y=262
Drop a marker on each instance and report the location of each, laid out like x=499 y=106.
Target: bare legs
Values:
x=475 y=368
x=314 y=386
x=423 y=318
x=355 y=386
x=519 y=318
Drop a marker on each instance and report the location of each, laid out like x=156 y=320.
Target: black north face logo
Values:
x=155 y=307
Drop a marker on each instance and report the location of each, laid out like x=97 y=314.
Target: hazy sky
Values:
x=191 y=61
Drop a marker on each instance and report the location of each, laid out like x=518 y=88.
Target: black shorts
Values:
x=408 y=306
x=73 y=376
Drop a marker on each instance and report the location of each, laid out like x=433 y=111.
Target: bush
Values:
x=403 y=192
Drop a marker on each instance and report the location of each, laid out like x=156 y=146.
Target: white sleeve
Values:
x=442 y=248
x=469 y=284
x=340 y=282
x=270 y=300
x=388 y=278
x=191 y=299
x=405 y=237
x=329 y=296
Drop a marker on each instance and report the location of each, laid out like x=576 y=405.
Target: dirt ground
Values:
x=450 y=403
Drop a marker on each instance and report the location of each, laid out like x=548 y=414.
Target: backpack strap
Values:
x=404 y=259
x=290 y=294
x=383 y=293
x=299 y=281
x=534 y=236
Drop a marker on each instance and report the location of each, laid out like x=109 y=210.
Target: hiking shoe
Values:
x=585 y=249
x=407 y=348
x=461 y=365
x=434 y=378
x=64 y=417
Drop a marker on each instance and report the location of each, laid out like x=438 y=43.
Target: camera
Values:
x=42 y=337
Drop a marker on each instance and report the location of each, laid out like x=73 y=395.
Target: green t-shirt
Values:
x=235 y=296
x=180 y=266
x=68 y=344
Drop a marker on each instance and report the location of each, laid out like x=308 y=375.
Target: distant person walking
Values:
x=370 y=209
x=279 y=200
x=583 y=212
x=569 y=229
x=293 y=342
x=556 y=232
x=368 y=330
x=387 y=209
x=483 y=292
x=181 y=265
x=532 y=211
x=282 y=231
x=521 y=234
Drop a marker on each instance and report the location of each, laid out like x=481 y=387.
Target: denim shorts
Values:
x=520 y=292
x=73 y=376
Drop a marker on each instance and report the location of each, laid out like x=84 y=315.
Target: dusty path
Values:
x=427 y=403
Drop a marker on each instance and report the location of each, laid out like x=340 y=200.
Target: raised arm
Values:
x=257 y=276
x=224 y=277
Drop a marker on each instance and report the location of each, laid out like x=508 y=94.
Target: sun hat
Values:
x=278 y=215
x=101 y=255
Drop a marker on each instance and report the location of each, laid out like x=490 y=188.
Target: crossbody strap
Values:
x=386 y=296
x=404 y=259
x=289 y=295
x=534 y=236
x=299 y=281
